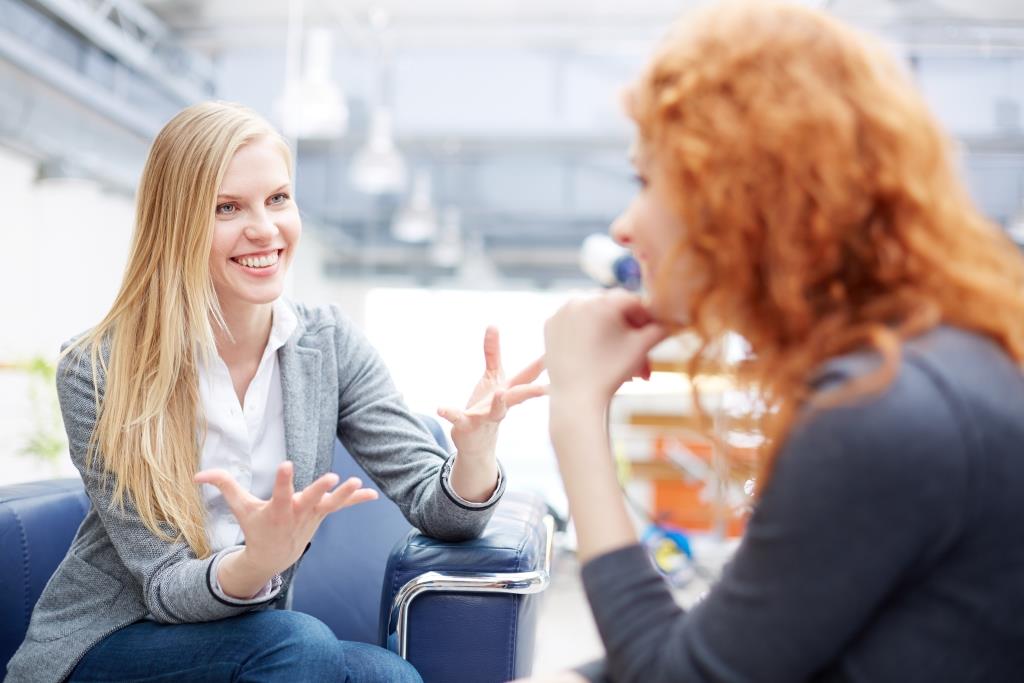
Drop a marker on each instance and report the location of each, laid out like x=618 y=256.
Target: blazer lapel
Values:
x=300 y=389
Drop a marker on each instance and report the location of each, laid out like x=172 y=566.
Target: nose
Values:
x=621 y=229
x=261 y=228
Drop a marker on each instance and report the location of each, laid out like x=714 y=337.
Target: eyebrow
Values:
x=235 y=197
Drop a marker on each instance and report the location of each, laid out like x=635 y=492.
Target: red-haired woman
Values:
x=796 y=190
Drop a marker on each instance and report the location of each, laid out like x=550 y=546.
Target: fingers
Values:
x=524 y=392
x=632 y=307
x=312 y=494
x=490 y=407
x=651 y=334
x=348 y=494
x=284 y=487
x=498 y=407
x=637 y=314
x=492 y=350
x=643 y=370
x=452 y=415
x=234 y=495
x=528 y=374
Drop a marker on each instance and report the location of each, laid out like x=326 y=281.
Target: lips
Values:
x=266 y=259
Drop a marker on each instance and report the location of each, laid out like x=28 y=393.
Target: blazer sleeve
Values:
x=176 y=586
x=395 y=448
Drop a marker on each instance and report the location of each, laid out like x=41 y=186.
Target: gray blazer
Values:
x=117 y=572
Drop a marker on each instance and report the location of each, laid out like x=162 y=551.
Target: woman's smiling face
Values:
x=256 y=226
x=652 y=229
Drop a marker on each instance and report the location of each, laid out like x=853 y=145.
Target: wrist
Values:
x=248 y=561
x=241 y=575
x=568 y=412
x=579 y=399
x=474 y=479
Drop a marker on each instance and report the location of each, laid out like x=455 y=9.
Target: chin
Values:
x=669 y=313
x=265 y=297
x=250 y=295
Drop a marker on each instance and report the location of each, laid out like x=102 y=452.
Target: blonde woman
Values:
x=795 y=189
x=203 y=374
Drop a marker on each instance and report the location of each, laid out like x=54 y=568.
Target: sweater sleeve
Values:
x=396 y=449
x=861 y=499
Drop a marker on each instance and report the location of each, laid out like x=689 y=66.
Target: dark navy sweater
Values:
x=887 y=546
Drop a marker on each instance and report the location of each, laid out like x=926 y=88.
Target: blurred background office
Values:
x=452 y=157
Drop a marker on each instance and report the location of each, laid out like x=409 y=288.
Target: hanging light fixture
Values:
x=312 y=105
x=477 y=270
x=417 y=220
x=378 y=168
x=447 y=248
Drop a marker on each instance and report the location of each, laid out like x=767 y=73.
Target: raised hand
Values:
x=593 y=345
x=475 y=427
x=278 y=530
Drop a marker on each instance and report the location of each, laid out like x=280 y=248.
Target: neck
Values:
x=250 y=326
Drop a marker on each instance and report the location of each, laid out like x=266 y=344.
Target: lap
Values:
x=268 y=645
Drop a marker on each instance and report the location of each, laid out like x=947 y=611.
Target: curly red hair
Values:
x=819 y=196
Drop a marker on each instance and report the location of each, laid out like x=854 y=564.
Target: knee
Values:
x=369 y=663
x=401 y=671
x=293 y=639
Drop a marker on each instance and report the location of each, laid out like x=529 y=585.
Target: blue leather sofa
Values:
x=458 y=611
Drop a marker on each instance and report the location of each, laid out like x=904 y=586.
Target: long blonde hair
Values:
x=820 y=198
x=148 y=431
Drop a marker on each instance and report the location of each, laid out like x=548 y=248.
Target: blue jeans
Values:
x=270 y=645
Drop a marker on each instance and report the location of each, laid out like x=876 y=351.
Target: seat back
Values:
x=340 y=578
x=37 y=522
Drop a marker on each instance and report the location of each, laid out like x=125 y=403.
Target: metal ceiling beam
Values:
x=56 y=75
x=136 y=37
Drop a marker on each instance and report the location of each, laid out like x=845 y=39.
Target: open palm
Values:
x=475 y=427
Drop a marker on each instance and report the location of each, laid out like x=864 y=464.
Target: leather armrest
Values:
x=467 y=611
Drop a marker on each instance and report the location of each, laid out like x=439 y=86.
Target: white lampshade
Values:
x=477 y=270
x=378 y=168
x=314 y=107
x=417 y=220
x=447 y=248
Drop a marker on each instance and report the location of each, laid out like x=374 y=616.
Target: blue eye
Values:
x=222 y=209
x=279 y=198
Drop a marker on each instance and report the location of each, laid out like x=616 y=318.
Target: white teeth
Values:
x=259 y=261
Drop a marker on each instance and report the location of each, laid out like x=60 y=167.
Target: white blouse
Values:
x=246 y=440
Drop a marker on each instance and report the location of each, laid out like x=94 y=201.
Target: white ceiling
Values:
x=202 y=14
x=218 y=24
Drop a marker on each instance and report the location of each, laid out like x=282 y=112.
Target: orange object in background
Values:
x=681 y=503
